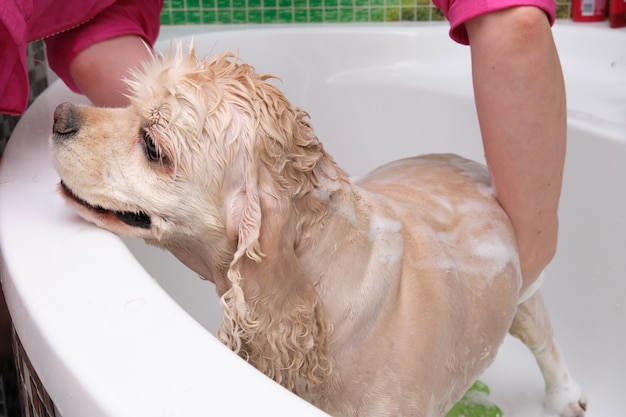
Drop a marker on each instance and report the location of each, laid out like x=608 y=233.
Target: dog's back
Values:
x=458 y=287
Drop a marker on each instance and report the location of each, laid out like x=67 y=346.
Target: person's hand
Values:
x=99 y=70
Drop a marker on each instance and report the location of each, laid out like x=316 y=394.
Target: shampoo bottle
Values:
x=588 y=10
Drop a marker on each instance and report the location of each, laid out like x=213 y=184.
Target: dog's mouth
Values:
x=134 y=219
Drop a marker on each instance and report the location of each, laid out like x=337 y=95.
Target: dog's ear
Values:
x=273 y=316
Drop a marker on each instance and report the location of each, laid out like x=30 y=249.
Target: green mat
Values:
x=475 y=403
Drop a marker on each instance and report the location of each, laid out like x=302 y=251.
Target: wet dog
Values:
x=385 y=296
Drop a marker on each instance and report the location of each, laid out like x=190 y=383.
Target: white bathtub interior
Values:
x=374 y=93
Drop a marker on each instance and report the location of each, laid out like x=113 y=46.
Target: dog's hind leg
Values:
x=532 y=326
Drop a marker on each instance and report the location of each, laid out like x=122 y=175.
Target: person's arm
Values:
x=100 y=69
x=520 y=100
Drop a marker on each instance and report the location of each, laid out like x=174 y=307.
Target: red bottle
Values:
x=588 y=10
x=617 y=13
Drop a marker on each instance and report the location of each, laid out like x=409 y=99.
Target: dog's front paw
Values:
x=567 y=402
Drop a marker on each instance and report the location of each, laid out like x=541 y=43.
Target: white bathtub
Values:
x=108 y=340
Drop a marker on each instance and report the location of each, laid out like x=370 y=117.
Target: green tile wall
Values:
x=181 y=12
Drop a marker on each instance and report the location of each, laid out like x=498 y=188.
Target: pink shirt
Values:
x=67 y=27
x=460 y=11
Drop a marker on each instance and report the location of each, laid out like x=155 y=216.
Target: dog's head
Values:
x=207 y=162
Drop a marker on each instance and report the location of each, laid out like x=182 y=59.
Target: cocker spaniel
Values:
x=387 y=296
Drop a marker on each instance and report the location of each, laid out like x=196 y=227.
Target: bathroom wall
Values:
x=177 y=12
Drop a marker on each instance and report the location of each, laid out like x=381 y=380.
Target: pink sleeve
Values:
x=460 y=11
x=13 y=70
x=124 y=17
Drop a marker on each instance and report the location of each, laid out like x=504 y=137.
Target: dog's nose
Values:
x=66 y=120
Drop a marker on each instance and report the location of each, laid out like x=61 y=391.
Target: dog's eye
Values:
x=152 y=152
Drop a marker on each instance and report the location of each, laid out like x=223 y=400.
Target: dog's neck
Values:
x=209 y=265
x=350 y=238
x=331 y=226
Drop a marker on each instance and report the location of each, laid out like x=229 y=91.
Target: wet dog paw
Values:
x=564 y=405
x=575 y=409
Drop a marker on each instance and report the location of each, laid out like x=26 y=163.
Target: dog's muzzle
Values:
x=66 y=126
